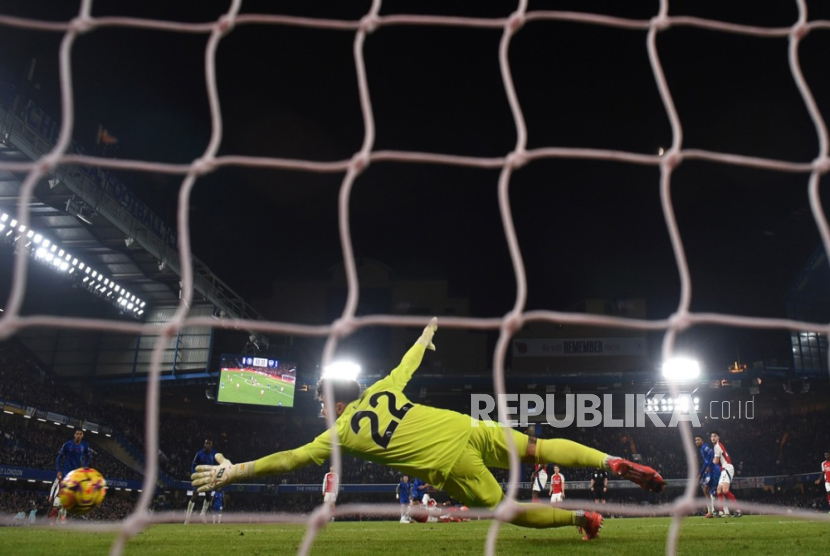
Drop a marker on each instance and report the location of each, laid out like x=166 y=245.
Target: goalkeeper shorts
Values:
x=469 y=480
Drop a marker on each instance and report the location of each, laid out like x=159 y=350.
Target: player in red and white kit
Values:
x=726 y=475
x=825 y=474
x=57 y=509
x=331 y=484
x=557 y=486
x=538 y=481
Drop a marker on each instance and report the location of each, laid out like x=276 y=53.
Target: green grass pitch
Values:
x=253 y=388
x=764 y=535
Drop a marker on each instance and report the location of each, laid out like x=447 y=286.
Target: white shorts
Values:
x=425 y=499
x=827 y=486
x=330 y=497
x=556 y=498
x=57 y=502
x=727 y=474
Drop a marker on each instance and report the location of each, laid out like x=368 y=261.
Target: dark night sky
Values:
x=586 y=228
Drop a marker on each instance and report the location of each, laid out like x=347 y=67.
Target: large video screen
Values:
x=244 y=379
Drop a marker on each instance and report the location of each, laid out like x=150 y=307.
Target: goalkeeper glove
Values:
x=210 y=477
x=426 y=336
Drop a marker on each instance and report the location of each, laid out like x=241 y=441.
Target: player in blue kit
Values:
x=218 y=505
x=417 y=490
x=402 y=494
x=709 y=474
x=73 y=454
x=205 y=456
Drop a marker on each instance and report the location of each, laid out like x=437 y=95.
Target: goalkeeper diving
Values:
x=443 y=448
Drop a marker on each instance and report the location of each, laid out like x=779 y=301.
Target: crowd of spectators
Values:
x=35 y=445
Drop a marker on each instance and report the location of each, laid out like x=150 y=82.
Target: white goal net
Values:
x=549 y=138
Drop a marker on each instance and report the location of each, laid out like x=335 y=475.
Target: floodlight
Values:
x=60 y=260
x=680 y=369
x=342 y=370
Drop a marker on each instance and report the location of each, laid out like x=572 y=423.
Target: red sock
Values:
x=731 y=496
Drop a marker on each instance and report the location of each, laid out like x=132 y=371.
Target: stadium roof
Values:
x=97 y=242
x=94 y=217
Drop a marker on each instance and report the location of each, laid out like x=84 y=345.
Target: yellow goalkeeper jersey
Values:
x=383 y=426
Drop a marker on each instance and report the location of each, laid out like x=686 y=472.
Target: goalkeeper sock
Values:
x=568 y=454
x=541 y=516
x=205 y=505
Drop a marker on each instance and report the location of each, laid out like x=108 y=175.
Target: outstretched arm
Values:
x=401 y=374
x=210 y=477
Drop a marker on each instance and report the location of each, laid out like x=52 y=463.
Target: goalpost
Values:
x=507 y=164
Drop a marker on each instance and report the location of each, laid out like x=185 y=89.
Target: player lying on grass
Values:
x=446 y=449
x=436 y=513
